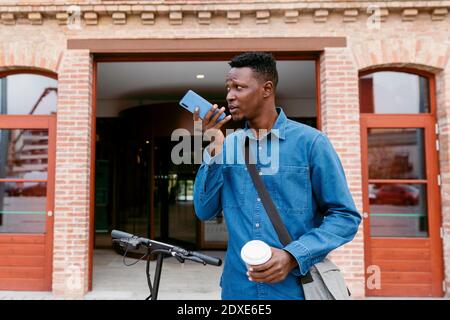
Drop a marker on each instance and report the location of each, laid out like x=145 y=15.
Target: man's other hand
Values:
x=274 y=270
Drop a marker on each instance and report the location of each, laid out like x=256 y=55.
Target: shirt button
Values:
x=258 y=199
x=257 y=225
x=260 y=148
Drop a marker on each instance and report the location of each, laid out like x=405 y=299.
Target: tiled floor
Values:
x=113 y=280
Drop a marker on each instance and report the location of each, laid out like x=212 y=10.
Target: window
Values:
x=392 y=92
x=23 y=196
x=27 y=94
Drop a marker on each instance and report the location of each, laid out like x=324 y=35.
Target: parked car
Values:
x=26 y=189
x=397 y=194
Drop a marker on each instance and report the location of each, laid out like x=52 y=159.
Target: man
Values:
x=308 y=187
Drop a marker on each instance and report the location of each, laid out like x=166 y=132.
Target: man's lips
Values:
x=233 y=109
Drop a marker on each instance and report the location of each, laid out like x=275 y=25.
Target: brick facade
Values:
x=410 y=33
x=443 y=100
x=340 y=121
x=72 y=185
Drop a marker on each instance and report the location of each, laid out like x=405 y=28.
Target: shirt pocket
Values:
x=233 y=186
x=293 y=189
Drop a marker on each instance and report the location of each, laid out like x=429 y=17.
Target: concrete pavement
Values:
x=112 y=280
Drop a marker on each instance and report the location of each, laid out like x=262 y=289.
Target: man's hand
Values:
x=211 y=129
x=274 y=270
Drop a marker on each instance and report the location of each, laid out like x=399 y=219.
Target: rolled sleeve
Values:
x=208 y=186
x=301 y=255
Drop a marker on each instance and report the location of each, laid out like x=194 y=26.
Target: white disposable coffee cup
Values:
x=255 y=252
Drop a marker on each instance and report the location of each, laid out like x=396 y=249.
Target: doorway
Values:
x=26 y=201
x=137 y=111
x=27 y=178
x=138 y=188
x=401 y=199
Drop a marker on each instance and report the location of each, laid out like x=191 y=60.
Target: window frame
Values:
x=24 y=71
x=428 y=75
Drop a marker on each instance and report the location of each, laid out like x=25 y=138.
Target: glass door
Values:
x=401 y=205
x=174 y=219
x=27 y=149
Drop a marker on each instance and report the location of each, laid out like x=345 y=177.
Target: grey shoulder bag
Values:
x=324 y=280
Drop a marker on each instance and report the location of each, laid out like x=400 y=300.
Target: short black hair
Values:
x=262 y=63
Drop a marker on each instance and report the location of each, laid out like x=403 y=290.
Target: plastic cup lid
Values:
x=255 y=252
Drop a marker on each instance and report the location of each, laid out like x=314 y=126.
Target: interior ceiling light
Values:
x=200 y=76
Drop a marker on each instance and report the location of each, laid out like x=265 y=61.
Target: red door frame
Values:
x=428 y=122
x=179 y=55
x=39 y=122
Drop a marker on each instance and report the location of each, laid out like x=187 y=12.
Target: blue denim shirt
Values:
x=308 y=187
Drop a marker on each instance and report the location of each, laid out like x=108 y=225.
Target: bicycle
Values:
x=128 y=240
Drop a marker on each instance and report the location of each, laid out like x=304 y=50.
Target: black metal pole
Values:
x=147 y=272
x=159 y=263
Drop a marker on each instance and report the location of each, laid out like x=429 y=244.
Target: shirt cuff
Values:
x=301 y=255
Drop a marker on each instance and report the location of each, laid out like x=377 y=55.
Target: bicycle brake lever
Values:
x=180 y=259
x=120 y=242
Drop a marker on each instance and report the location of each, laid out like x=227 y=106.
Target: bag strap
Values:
x=269 y=206
x=266 y=200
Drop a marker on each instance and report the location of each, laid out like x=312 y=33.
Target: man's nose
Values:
x=230 y=96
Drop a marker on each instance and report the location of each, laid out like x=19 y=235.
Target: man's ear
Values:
x=268 y=89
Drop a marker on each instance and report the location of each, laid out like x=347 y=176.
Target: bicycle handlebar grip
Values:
x=117 y=234
x=208 y=259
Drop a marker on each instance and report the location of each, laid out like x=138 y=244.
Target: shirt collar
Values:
x=279 y=125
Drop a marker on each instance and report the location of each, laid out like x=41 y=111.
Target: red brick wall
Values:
x=29 y=55
x=340 y=121
x=71 y=228
x=443 y=105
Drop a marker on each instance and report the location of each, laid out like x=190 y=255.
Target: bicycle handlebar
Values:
x=208 y=259
x=156 y=245
x=117 y=234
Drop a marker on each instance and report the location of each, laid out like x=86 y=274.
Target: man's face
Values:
x=244 y=93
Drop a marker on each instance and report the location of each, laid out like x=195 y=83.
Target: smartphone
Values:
x=192 y=100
